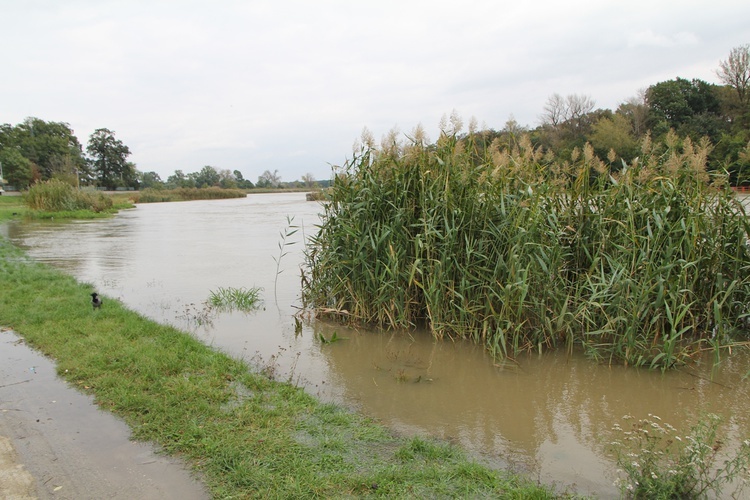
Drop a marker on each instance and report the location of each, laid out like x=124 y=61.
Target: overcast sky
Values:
x=290 y=85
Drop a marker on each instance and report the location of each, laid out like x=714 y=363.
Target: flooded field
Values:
x=550 y=414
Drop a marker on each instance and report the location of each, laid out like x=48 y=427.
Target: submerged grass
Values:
x=643 y=264
x=230 y=298
x=247 y=436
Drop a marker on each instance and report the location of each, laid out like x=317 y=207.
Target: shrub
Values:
x=57 y=196
x=659 y=463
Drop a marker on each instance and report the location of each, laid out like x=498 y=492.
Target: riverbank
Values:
x=243 y=434
x=55 y=443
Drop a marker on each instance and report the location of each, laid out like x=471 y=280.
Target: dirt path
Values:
x=56 y=444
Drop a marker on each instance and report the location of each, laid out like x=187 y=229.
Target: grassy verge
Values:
x=246 y=435
x=12 y=207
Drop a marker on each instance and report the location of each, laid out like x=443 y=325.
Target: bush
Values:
x=57 y=196
x=659 y=463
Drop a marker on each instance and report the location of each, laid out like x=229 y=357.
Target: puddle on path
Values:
x=72 y=448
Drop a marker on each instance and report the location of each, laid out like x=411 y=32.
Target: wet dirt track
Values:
x=55 y=443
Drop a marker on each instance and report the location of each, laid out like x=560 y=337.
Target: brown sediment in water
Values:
x=550 y=414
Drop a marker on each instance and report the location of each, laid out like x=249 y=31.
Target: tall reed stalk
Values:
x=644 y=263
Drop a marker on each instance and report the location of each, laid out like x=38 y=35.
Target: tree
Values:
x=614 y=134
x=51 y=147
x=179 y=180
x=735 y=72
x=309 y=180
x=17 y=170
x=207 y=177
x=565 y=122
x=570 y=110
x=227 y=179
x=150 y=180
x=109 y=159
x=555 y=111
x=243 y=183
x=269 y=179
x=635 y=110
x=691 y=107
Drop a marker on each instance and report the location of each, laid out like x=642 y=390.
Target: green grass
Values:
x=231 y=298
x=15 y=207
x=247 y=436
x=11 y=207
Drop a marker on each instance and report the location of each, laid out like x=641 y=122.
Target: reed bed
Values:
x=57 y=196
x=644 y=264
x=151 y=195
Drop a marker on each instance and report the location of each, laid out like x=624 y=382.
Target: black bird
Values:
x=96 y=301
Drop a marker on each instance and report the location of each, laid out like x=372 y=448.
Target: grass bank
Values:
x=186 y=194
x=247 y=436
x=56 y=200
x=12 y=207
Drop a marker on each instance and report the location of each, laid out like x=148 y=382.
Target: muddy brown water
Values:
x=550 y=415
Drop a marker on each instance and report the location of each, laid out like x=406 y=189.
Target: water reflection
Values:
x=548 y=414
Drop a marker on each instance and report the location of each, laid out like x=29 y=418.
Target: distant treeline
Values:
x=37 y=150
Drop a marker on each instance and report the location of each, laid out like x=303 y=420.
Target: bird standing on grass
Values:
x=96 y=301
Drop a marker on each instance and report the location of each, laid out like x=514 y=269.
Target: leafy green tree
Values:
x=51 y=147
x=17 y=170
x=109 y=160
x=243 y=183
x=730 y=154
x=149 y=180
x=691 y=107
x=208 y=176
x=179 y=180
x=614 y=134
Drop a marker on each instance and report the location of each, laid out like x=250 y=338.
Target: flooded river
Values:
x=550 y=415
